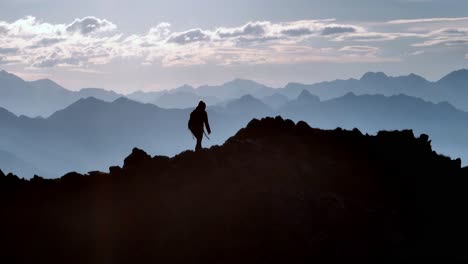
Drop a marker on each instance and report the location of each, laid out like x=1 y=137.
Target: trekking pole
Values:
x=206 y=134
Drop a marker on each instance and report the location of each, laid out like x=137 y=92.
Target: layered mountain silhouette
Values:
x=451 y=88
x=275 y=100
x=42 y=97
x=92 y=134
x=185 y=96
x=276 y=192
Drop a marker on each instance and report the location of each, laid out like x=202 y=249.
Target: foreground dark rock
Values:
x=275 y=192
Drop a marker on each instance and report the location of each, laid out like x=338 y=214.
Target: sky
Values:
x=148 y=45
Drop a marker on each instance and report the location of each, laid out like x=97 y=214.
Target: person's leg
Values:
x=199 y=140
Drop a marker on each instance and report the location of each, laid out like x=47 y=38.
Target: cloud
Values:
x=5 y=61
x=8 y=50
x=36 y=43
x=367 y=36
x=359 y=49
x=47 y=63
x=417 y=52
x=294 y=32
x=3 y=30
x=332 y=30
x=426 y=20
x=91 y=41
x=89 y=25
x=445 y=36
x=377 y=36
x=259 y=31
x=250 y=29
x=46 y=42
x=189 y=36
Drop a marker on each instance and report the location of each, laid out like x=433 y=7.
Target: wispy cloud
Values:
x=427 y=20
x=445 y=36
x=359 y=49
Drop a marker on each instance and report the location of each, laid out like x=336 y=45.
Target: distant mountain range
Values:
x=452 y=88
x=92 y=134
x=44 y=97
x=445 y=124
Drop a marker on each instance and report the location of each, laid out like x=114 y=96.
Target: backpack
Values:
x=192 y=120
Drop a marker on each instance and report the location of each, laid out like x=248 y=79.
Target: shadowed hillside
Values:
x=276 y=192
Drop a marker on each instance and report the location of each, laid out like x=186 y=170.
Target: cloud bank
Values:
x=90 y=41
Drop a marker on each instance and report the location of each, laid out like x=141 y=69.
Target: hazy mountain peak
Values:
x=4 y=73
x=9 y=76
x=121 y=100
x=243 y=82
x=413 y=76
x=81 y=108
x=374 y=76
x=105 y=95
x=88 y=100
x=248 y=99
x=130 y=104
x=97 y=91
x=45 y=81
x=351 y=94
x=183 y=88
x=304 y=94
x=455 y=77
x=4 y=113
x=249 y=104
x=46 y=84
x=306 y=97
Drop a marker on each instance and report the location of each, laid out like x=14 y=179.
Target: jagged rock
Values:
x=72 y=178
x=115 y=170
x=96 y=173
x=37 y=180
x=138 y=157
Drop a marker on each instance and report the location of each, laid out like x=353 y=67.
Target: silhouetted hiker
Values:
x=198 y=118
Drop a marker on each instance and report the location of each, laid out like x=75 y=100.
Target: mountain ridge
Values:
x=43 y=97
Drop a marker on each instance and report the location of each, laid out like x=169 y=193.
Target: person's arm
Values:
x=207 y=124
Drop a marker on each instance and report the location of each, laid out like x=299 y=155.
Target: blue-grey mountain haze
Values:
x=332 y=63
x=93 y=134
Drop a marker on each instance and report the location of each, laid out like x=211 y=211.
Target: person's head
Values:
x=201 y=105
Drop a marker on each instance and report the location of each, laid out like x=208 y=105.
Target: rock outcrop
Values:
x=276 y=192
